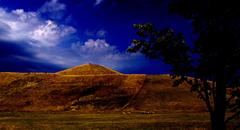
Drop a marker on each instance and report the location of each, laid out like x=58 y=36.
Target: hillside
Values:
x=88 y=69
x=94 y=93
x=158 y=95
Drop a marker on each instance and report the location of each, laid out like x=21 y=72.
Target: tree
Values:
x=209 y=64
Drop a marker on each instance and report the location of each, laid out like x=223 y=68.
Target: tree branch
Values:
x=209 y=106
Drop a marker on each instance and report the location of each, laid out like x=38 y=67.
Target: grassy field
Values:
x=75 y=121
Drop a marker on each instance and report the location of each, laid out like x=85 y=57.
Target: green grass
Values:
x=74 y=120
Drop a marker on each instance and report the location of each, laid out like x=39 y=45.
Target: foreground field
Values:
x=74 y=121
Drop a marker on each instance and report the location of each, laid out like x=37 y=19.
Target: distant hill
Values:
x=88 y=69
x=85 y=89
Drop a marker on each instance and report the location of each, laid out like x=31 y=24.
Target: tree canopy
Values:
x=209 y=64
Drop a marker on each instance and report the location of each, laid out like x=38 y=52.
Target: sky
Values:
x=52 y=35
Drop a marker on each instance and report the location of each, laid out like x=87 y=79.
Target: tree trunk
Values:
x=218 y=115
x=213 y=121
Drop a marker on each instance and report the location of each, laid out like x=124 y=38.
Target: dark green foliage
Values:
x=212 y=60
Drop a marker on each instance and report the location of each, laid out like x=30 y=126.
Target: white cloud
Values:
x=100 y=52
x=93 y=46
x=95 y=51
x=52 y=6
x=96 y=33
x=97 y=2
x=24 y=16
x=49 y=33
x=16 y=22
x=18 y=25
x=53 y=9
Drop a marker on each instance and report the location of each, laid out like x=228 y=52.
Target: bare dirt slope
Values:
x=94 y=93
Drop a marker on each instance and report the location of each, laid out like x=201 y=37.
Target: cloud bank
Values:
x=37 y=41
x=18 y=25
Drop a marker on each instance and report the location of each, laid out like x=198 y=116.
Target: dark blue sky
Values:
x=50 y=35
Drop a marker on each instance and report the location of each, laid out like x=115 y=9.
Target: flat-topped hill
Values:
x=88 y=69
